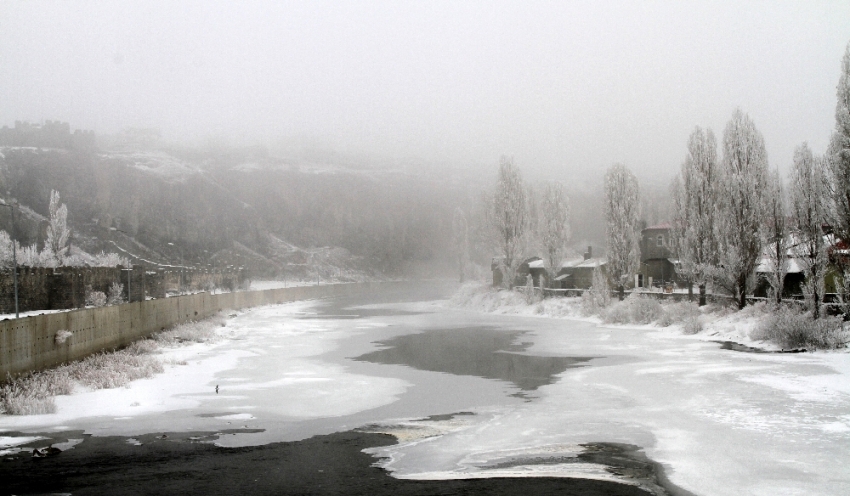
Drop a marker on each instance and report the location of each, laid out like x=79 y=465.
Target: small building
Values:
x=657 y=259
x=795 y=277
x=793 y=283
x=522 y=272
x=578 y=273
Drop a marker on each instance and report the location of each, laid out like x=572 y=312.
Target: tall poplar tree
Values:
x=509 y=218
x=58 y=232
x=622 y=211
x=838 y=156
x=741 y=225
x=808 y=201
x=776 y=235
x=695 y=198
x=553 y=226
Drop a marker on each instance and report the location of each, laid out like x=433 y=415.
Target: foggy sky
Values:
x=565 y=87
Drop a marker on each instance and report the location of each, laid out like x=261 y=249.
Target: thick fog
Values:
x=561 y=86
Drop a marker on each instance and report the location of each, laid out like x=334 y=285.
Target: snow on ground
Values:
x=31 y=313
x=718 y=323
x=719 y=421
x=272 y=284
x=266 y=356
x=157 y=163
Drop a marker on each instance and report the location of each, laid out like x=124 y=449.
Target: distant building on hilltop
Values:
x=51 y=134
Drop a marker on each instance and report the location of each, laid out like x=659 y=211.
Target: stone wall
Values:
x=29 y=344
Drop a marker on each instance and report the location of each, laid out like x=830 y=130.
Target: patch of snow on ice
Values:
x=237 y=416
x=9 y=441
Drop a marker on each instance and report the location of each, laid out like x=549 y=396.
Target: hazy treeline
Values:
x=392 y=220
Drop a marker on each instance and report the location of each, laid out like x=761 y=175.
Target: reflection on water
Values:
x=477 y=351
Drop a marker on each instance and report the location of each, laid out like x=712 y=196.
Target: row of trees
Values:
x=520 y=219
x=56 y=249
x=732 y=211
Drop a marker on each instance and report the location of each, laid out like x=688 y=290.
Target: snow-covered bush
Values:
x=113 y=369
x=116 y=294
x=104 y=259
x=95 y=298
x=532 y=295
x=32 y=394
x=633 y=310
x=595 y=299
x=190 y=332
x=29 y=256
x=792 y=329
x=143 y=347
x=679 y=312
x=62 y=336
x=692 y=325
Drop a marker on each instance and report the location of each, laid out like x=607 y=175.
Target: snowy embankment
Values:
x=35 y=393
x=243 y=370
x=751 y=327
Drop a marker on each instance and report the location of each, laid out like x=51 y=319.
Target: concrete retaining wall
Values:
x=29 y=344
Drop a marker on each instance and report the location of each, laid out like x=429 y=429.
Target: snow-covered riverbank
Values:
x=719 y=421
x=713 y=322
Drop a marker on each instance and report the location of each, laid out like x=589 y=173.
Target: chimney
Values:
x=589 y=253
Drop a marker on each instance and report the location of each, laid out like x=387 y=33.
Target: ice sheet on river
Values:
x=720 y=421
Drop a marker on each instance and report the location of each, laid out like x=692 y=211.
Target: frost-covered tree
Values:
x=6 y=256
x=104 y=259
x=598 y=296
x=622 y=212
x=58 y=233
x=776 y=236
x=509 y=218
x=553 y=229
x=29 y=256
x=838 y=156
x=460 y=238
x=695 y=198
x=116 y=294
x=743 y=207
x=808 y=198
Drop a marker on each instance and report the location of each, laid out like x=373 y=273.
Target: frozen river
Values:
x=472 y=395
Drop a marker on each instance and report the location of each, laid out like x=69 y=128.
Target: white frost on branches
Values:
x=56 y=246
x=6 y=255
x=695 y=199
x=838 y=156
x=58 y=233
x=622 y=211
x=508 y=218
x=808 y=200
x=741 y=223
x=29 y=256
x=777 y=237
x=553 y=226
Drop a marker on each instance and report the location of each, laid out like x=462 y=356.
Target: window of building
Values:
x=660 y=240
